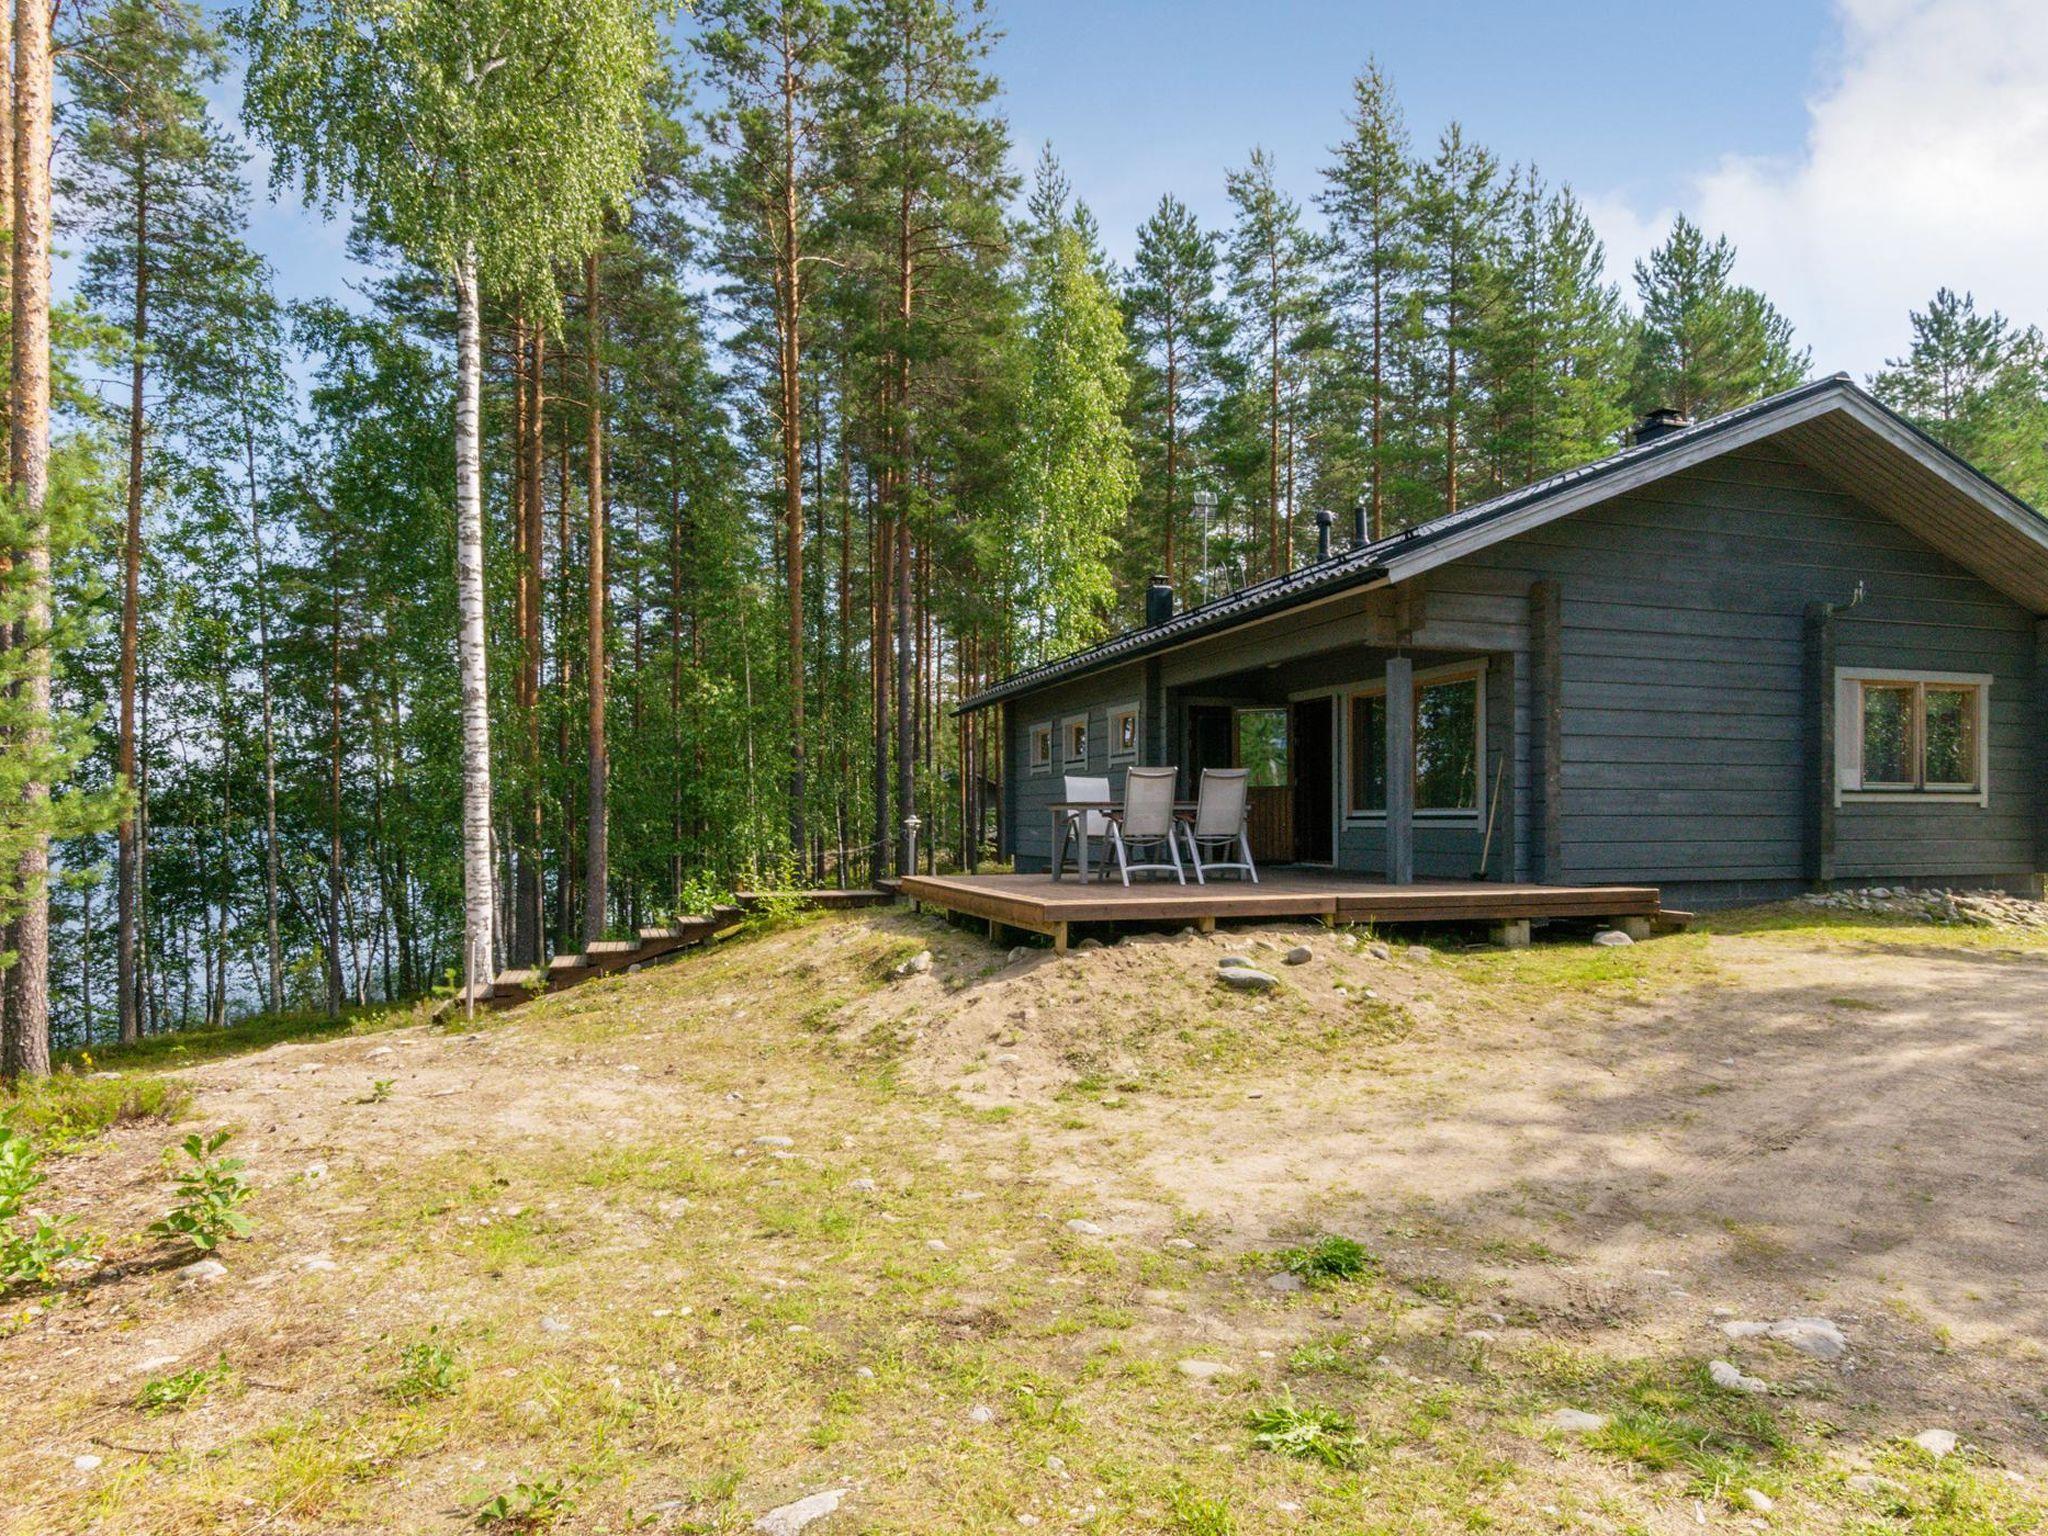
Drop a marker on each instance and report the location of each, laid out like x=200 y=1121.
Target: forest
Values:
x=732 y=396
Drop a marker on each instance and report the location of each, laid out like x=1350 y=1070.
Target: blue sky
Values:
x=1859 y=152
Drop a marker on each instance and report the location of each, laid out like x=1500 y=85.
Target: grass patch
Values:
x=186 y=1047
x=1326 y=1260
x=176 y=1393
x=67 y=1109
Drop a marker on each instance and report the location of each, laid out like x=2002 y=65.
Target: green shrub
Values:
x=532 y=1505
x=1327 y=1259
x=1287 y=1428
x=426 y=1369
x=31 y=1245
x=211 y=1192
x=67 y=1109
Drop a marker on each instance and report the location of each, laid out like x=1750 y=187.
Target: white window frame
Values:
x=1453 y=672
x=1849 y=790
x=1067 y=724
x=1117 y=714
x=1041 y=764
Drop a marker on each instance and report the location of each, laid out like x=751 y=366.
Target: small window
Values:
x=1074 y=738
x=1041 y=746
x=1449 y=721
x=1123 y=732
x=1907 y=733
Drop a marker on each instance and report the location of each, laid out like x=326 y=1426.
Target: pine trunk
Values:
x=597 y=872
x=25 y=1052
x=273 y=942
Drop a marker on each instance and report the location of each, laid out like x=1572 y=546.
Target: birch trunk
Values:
x=478 y=961
x=27 y=1044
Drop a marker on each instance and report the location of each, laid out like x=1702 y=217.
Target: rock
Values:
x=936 y=1244
x=1865 y=1482
x=1245 y=979
x=1936 y=1442
x=981 y=1413
x=1479 y=1335
x=1816 y=1336
x=1204 y=1370
x=86 y=1463
x=1185 y=1244
x=916 y=965
x=204 y=1272
x=864 y=1372
x=1421 y=954
x=774 y=1141
x=1380 y=952
x=1725 y=1374
x=1084 y=1228
x=318 y=1262
x=1758 y=1500
x=1576 y=1421
x=1229 y=960
x=380 y=1052
x=554 y=1326
x=1089 y=944
x=863 y=1186
x=1283 y=1282
x=1301 y=954
x=789 y=1519
x=1612 y=938
x=1021 y=952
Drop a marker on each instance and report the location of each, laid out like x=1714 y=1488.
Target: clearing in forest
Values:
x=1417 y=1239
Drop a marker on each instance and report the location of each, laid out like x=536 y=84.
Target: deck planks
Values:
x=1040 y=904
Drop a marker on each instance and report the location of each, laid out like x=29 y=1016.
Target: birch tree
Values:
x=488 y=140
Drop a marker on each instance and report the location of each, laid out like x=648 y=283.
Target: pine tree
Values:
x=775 y=63
x=154 y=187
x=1178 y=328
x=1370 y=205
x=1978 y=385
x=1706 y=343
x=1460 y=201
x=1281 y=307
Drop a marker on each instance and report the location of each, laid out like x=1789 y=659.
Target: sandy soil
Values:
x=1778 y=1125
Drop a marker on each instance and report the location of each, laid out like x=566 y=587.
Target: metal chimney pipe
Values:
x=1358 y=538
x=1323 y=522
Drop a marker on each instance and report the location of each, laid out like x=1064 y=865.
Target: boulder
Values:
x=1246 y=979
x=1301 y=954
x=1726 y=1375
x=1576 y=1421
x=1612 y=938
x=1936 y=1442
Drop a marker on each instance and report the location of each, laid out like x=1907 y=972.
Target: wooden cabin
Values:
x=1796 y=644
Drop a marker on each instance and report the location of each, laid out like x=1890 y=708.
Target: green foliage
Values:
x=211 y=1193
x=1327 y=1259
x=1288 y=1428
x=67 y=1109
x=1978 y=385
x=1707 y=344
x=32 y=1245
x=531 y=1505
x=175 y=1393
x=380 y=1091
x=427 y=1368
x=1197 y=1514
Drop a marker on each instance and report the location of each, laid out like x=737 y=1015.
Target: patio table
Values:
x=1063 y=810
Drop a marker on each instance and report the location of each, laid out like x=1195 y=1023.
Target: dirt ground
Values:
x=1615 y=1152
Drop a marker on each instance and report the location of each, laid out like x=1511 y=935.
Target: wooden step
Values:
x=612 y=947
x=830 y=899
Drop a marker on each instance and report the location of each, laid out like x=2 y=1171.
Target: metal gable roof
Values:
x=1943 y=493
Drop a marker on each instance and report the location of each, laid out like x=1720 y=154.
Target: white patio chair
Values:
x=1146 y=821
x=1085 y=824
x=1220 y=811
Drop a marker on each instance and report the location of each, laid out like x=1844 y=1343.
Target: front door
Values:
x=1209 y=743
x=1313 y=754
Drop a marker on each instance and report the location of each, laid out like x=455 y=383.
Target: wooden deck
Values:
x=1040 y=904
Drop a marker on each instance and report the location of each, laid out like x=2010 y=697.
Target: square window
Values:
x=1911 y=734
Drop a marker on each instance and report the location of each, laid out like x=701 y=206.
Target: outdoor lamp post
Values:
x=910 y=825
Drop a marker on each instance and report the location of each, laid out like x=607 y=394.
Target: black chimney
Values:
x=1323 y=522
x=1158 y=602
x=1358 y=538
x=1661 y=422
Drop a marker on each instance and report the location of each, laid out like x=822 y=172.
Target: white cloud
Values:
x=1925 y=163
